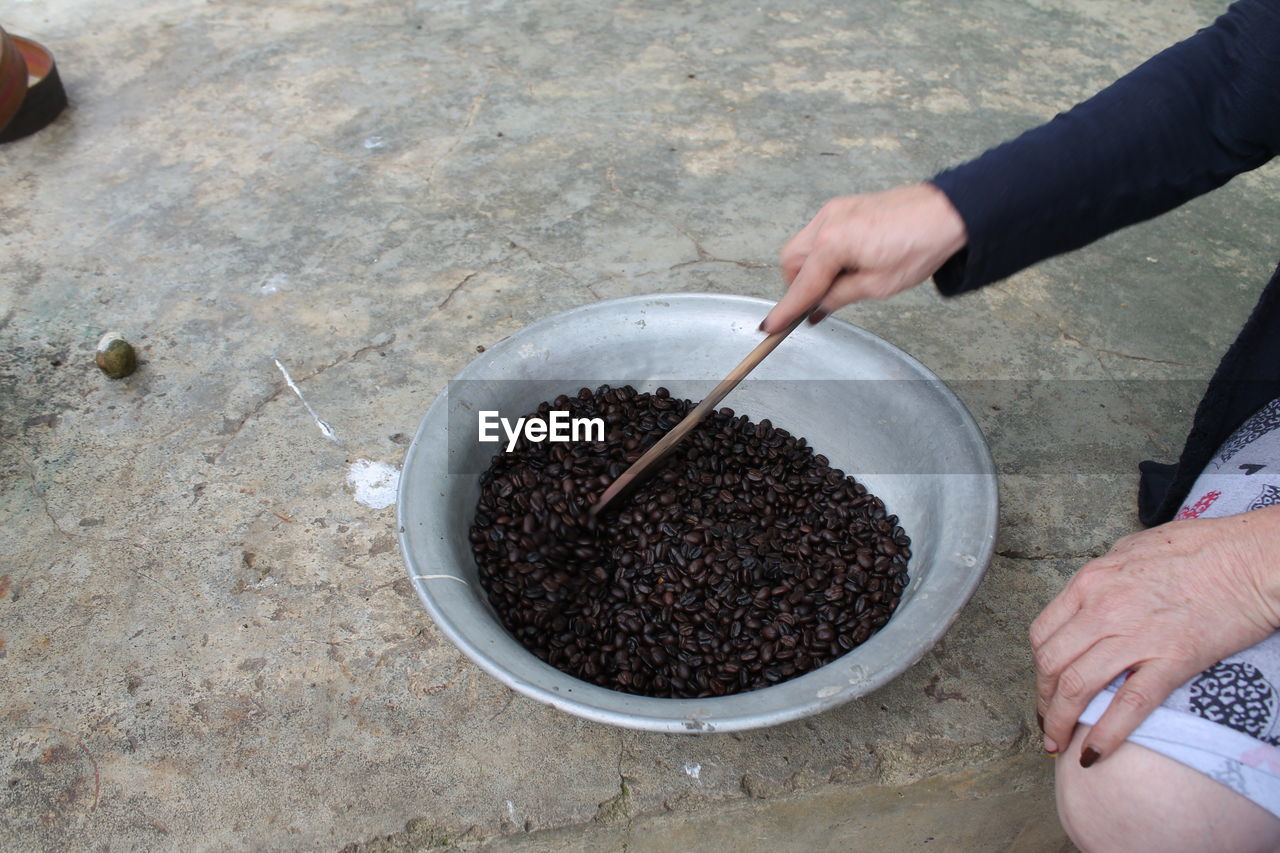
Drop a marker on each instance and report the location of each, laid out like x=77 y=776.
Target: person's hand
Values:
x=866 y=247
x=1165 y=604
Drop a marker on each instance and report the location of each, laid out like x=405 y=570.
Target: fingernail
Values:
x=1050 y=745
x=1089 y=756
x=1052 y=754
x=1040 y=721
x=818 y=316
x=761 y=328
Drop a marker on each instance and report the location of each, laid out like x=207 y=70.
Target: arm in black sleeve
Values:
x=1181 y=124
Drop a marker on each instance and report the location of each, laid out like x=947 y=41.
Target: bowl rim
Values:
x=698 y=715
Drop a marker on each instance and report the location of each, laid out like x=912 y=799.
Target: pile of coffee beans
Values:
x=744 y=561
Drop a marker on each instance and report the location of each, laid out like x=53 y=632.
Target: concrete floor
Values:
x=207 y=640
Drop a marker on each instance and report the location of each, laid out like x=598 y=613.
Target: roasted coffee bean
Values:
x=745 y=561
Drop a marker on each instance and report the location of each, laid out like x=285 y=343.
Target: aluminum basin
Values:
x=873 y=410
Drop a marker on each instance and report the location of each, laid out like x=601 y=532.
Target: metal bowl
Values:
x=13 y=78
x=873 y=410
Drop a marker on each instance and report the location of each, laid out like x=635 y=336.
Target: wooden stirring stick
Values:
x=635 y=475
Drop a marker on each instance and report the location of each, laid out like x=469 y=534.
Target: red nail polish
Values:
x=761 y=326
x=1089 y=756
x=818 y=316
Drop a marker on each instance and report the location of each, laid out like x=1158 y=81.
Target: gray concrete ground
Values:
x=207 y=640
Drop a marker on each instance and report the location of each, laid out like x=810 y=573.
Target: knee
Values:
x=1138 y=800
x=1085 y=804
x=1109 y=806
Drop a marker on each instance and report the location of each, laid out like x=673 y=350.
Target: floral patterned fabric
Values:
x=1225 y=722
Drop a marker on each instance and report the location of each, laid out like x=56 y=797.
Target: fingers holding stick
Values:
x=865 y=247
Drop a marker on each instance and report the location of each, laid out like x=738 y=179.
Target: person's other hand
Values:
x=866 y=247
x=1163 y=604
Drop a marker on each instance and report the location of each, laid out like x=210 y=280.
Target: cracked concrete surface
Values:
x=207 y=642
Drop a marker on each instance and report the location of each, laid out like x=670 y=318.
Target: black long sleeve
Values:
x=1181 y=124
